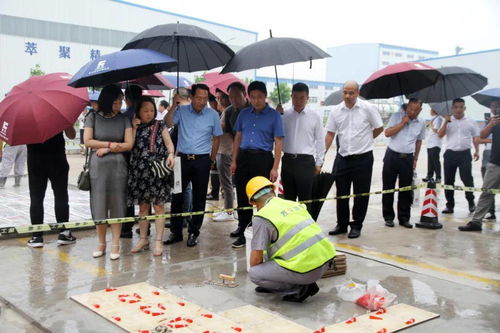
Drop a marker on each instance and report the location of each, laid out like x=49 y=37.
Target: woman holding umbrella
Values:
x=108 y=133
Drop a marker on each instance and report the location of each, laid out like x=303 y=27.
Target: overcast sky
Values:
x=438 y=25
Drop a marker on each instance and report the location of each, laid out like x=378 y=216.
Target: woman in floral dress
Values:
x=152 y=143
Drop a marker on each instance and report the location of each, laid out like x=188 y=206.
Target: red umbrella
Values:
x=219 y=81
x=39 y=108
x=152 y=93
x=399 y=79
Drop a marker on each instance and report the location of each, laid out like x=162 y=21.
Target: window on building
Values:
x=385 y=63
x=313 y=100
x=328 y=88
x=421 y=57
x=410 y=56
x=386 y=53
x=397 y=54
x=313 y=86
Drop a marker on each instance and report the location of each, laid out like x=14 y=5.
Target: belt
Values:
x=295 y=156
x=400 y=155
x=254 y=151
x=192 y=157
x=349 y=157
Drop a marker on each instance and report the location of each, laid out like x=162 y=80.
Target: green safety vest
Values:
x=301 y=245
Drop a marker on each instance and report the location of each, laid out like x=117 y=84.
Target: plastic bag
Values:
x=376 y=296
x=350 y=291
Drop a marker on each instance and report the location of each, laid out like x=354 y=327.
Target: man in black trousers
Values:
x=406 y=132
x=460 y=132
x=356 y=123
x=258 y=128
x=303 y=146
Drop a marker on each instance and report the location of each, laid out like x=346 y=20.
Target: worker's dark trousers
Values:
x=461 y=160
x=249 y=164
x=297 y=175
x=397 y=166
x=355 y=170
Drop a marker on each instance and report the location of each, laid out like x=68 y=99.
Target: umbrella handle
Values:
x=277 y=84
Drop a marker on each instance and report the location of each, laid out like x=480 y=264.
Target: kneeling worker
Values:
x=289 y=250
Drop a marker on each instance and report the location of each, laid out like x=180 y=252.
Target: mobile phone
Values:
x=487 y=116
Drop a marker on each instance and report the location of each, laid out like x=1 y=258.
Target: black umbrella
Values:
x=485 y=97
x=274 y=51
x=399 y=79
x=442 y=108
x=334 y=98
x=321 y=186
x=454 y=82
x=194 y=48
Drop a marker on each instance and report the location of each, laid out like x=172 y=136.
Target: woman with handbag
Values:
x=109 y=134
x=151 y=164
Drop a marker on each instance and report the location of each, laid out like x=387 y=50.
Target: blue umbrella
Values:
x=94 y=95
x=121 y=66
x=485 y=97
x=183 y=82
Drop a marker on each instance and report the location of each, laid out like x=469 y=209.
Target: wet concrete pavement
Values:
x=448 y=272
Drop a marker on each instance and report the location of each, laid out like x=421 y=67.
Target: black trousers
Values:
x=197 y=172
x=41 y=169
x=433 y=163
x=355 y=170
x=249 y=165
x=396 y=166
x=297 y=175
x=461 y=160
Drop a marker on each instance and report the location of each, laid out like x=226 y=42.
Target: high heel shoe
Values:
x=141 y=246
x=99 y=253
x=114 y=256
x=158 y=247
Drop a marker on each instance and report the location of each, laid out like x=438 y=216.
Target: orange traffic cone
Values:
x=429 y=217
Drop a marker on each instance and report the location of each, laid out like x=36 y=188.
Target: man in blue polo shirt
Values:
x=258 y=128
x=197 y=145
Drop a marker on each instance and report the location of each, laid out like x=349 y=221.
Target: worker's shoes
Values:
x=471 y=226
x=262 y=290
x=238 y=232
x=338 y=230
x=309 y=290
x=240 y=242
x=406 y=224
x=389 y=223
x=192 y=240
x=173 y=238
x=354 y=233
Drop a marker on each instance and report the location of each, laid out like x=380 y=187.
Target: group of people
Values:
x=242 y=138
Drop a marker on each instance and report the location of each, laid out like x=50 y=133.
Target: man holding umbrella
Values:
x=406 y=132
x=460 y=132
x=357 y=123
x=491 y=177
x=197 y=145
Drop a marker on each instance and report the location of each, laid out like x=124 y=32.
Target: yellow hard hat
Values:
x=256 y=184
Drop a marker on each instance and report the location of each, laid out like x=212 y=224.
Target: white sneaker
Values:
x=216 y=214
x=223 y=217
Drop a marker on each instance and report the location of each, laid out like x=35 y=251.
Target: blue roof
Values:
x=461 y=55
x=407 y=48
x=181 y=15
x=290 y=81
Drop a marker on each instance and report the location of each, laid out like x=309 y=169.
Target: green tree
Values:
x=247 y=80
x=199 y=78
x=285 y=94
x=37 y=70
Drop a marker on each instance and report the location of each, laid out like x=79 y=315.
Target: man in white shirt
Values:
x=303 y=146
x=357 y=123
x=434 y=143
x=162 y=110
x=460 y=132
x=406 y=132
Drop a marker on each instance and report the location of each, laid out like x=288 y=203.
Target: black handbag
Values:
x=159 y=167
x=83 y=183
